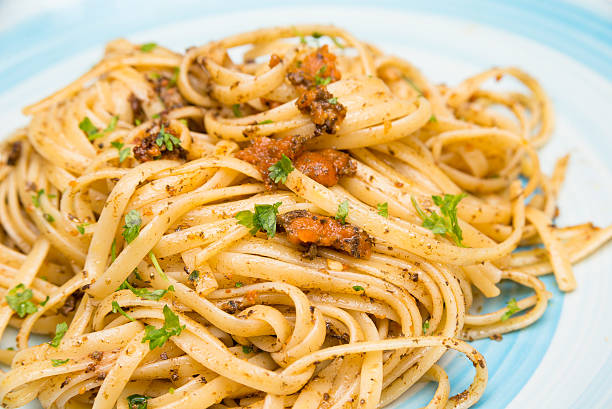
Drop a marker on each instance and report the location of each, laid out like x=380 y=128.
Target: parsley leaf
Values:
x=319 y=80
x=157 y=266
x=143 y=293
x=194 y=276
x=236 y=110
x=317 y=35
x=335 y=41
x=425 y=326
x=446 y=223
x=148 y=47
x=267 y=121
x=174 y=78
x=165 y=138
x=238 y=284
x=59 y=362
x=117 y=308
x=81 y=227
x=88 y=127
x=48 y=217
x=123 y=152
x=37 y=196
x=19 y=301
x=157 y=337
x=513 y=308
x=433 y=118
x=132 y=225
x=60 y=331
x=280 y=170
x=247 y=349
x=342 y=212
x=383 y=209
x=358 y=288
x=93 y=132
x=137 y=401
x=264 y=218
x=333 y=100
x=45 y=301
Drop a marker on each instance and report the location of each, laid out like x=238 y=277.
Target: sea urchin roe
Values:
x=325 y=166
x=168 y=92
x=318 y=68
x=304 y=227
x=160 y=141
x=323 y=108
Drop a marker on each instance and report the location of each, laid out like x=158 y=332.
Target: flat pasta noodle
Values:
x=140 y=221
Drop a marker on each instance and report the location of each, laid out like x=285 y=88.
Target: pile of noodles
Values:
x=266 y=327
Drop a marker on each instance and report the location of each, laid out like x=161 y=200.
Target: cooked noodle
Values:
x=260 y=323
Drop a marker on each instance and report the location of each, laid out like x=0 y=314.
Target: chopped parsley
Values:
x=157 y=337
x=93 y=132
x=446 y=223
x=280 y=170
x=171 y=391
x=155 y=116
x=383 y=209
x=264 y=218
x=317 y=35
x=37 y=196
x=114 y=250
x=342 y=212
x=247 y=349
x=60 y=331
x=513 y=308
x=433 y=119
x=333 y=100
x=319 y=80
x=148 y=47
x=59 y=362
x=267 y=121
x=131 y=229
x=48 y=217
x=117 y=308
x=358 y=288
x=165 y=138
x=238 y=284
x=18 y=298
x=236 y=110
x=45 y=301
x=425 y=326
x=335 y=41
x=81 y=227
x=194 y=276
x=123 y=152
x=174 y=78
x=137 y=401
x=144 y=293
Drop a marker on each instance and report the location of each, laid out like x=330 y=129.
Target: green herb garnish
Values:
x=37 y=196
x=247 y=349
x=513 y=308
x=117 y=308
x=137 y=401
x=358 y=288
x=238 y=284
x=267 y=121
x=123 y=152
x=425 y=326
x=148 y=47
x=165 y=138
x=60 y=331
x=264 y=218
x=433 y=119
x=446 y=223
x=280 y=170
x=342 y=212
x=18 y=298
x=144 y=293
x=93 y=132
x=333 y=100
x=59 y=362
x=383 y=209
x=194 y=276
x=236 y=110
x=81 y=227
x=157 y=337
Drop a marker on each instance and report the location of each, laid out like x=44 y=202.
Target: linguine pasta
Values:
x=141 y=232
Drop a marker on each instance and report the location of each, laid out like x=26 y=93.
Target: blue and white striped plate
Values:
x=562 y=361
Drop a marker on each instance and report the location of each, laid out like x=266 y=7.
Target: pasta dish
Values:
x=287 y=217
